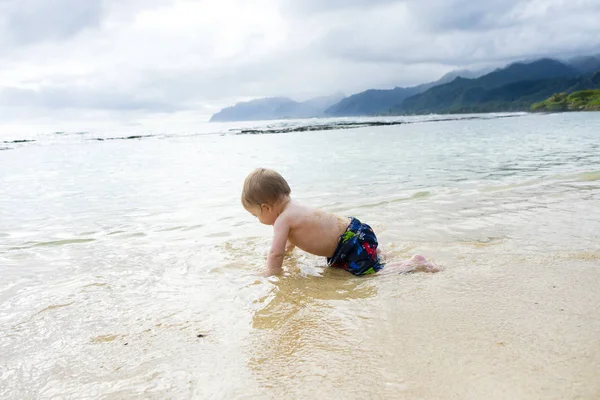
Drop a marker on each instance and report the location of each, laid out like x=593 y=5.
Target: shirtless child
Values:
x=346 y=242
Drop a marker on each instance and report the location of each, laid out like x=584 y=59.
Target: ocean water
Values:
x=129 y=268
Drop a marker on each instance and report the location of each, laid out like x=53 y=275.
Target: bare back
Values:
x=312 y=230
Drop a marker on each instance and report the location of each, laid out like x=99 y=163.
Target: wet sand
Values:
x=488 y=327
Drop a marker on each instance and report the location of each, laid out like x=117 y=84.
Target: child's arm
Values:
x=281 y=231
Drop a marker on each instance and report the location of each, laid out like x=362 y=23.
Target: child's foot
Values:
x=422 y=264
x=416 y=263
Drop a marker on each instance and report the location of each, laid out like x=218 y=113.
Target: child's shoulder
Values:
x=295 y=211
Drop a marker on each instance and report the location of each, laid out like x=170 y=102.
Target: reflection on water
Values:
x=301 y=321
x=308 y=296
x=130 y=270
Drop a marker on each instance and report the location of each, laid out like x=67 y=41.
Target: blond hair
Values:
x=264 y=186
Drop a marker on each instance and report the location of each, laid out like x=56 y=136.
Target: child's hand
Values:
x=272 y=272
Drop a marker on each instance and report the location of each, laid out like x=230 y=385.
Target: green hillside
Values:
x=583 y=100
x=508 y=89
x=476 y=96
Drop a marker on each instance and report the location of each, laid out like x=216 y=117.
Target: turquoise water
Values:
x=116 y=254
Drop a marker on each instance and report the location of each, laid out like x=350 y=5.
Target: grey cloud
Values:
x=443 y=15
x=338 y=45
x=190 y=86
x=320 y=6
x=81 y=98
x=461 y=33
x=155 y=91
x=24 y=22
x=158 y=90
x=29 y=21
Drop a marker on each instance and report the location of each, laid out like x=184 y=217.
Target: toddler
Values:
x=346 y=242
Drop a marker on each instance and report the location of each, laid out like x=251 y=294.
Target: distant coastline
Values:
x=515 y=88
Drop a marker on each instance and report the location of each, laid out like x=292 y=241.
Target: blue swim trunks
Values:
x=356 y=251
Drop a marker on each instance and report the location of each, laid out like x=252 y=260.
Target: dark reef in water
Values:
x=314 y=127
x=324 y=127
x=19 y=141
x=123 y=138
x=354 y=125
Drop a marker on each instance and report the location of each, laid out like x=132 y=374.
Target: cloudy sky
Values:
x=136 y=59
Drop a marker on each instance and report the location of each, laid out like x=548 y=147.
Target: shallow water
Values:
x=130 y=270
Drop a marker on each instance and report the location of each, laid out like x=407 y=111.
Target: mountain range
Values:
x=508 y=85
x=276 y=108
x=374 y=102
x=512 y=88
